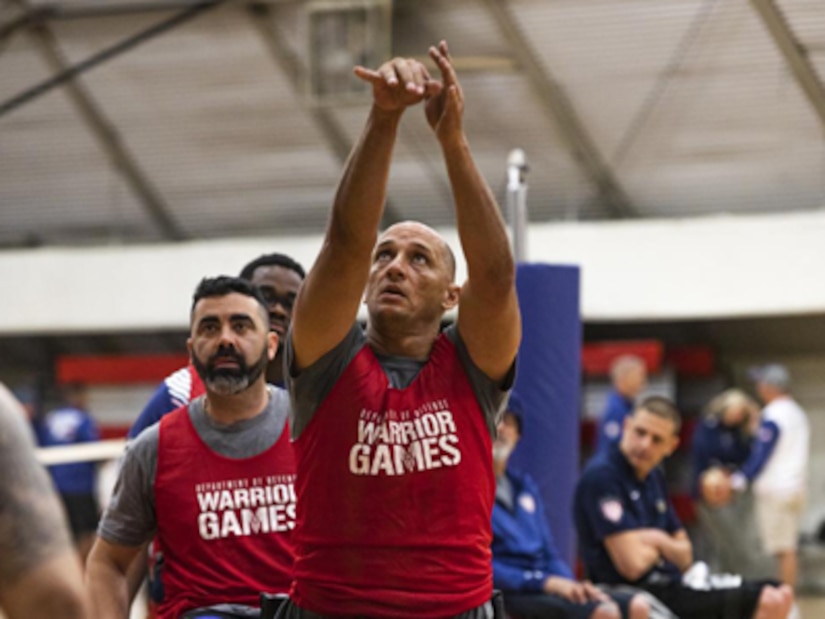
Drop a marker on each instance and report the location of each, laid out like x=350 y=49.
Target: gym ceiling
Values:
x=131 y=121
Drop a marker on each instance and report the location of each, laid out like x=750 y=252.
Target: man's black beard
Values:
x=229 y=381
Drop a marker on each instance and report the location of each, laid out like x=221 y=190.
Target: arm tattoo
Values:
x=32 y=524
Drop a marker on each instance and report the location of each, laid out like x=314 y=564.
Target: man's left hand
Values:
x=446 y=109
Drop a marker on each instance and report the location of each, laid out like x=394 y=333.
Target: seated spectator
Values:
x=721 y=444
x=629 y=532
x=527 y=567
x=76 y=482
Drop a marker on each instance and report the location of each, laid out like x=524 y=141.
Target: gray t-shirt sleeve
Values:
x=129 y=519
x=491 y=396
x=309 y=387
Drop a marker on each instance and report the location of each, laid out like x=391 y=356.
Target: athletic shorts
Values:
x=778 y=521
x=81 y=509
x=548 y=606
x=223 y=611
x=735 y=603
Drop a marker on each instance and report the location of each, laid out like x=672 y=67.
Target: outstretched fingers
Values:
x=441 y=57
x=412 y=74
x=401 y=75
x=374 y=77
x=442 y=47
x=399 y=83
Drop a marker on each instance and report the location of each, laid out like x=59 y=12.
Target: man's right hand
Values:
x=445 y=112
x=399 y=83
x=578 y=592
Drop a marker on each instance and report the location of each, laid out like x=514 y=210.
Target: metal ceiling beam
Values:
x=107 y=135
x=8 y=28
x=59 y=11
x=35 y=18
x=794 y=53
x=264 y=20
x=561 y=112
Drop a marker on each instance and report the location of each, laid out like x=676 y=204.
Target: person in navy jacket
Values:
x=630 y=534
x=722 y=442
x=527 y=566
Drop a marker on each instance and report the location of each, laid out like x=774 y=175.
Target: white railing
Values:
x=83 y=452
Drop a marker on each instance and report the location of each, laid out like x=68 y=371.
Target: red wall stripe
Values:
x=117 y=369
x=598 y=356
x=695 y=360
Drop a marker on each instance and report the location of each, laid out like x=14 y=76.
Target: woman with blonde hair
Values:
x=722 y=443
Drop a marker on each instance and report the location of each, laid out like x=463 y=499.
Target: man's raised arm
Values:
x=328 y=301
x=488 y=316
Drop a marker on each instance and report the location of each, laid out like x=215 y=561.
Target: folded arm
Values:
x=636 y=551
x=673 y=547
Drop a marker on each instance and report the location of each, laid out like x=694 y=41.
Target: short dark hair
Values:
x=226 y=284
x=274 y=259
x=663 y=408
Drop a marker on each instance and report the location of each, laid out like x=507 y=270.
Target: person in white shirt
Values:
x=778 y=468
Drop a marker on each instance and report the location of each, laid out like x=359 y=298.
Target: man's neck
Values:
x=640 y=475
x=625 y=396
x=397 y=343
x=775 y=397
x=229 y=409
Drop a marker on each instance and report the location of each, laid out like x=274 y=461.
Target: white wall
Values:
x=713 y=267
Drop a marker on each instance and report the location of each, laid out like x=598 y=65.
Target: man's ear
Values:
x=451 y=297
x=272 y=340
x=189 y=348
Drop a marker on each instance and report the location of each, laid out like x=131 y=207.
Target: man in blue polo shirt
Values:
x=527 y=567
x=630 y=534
